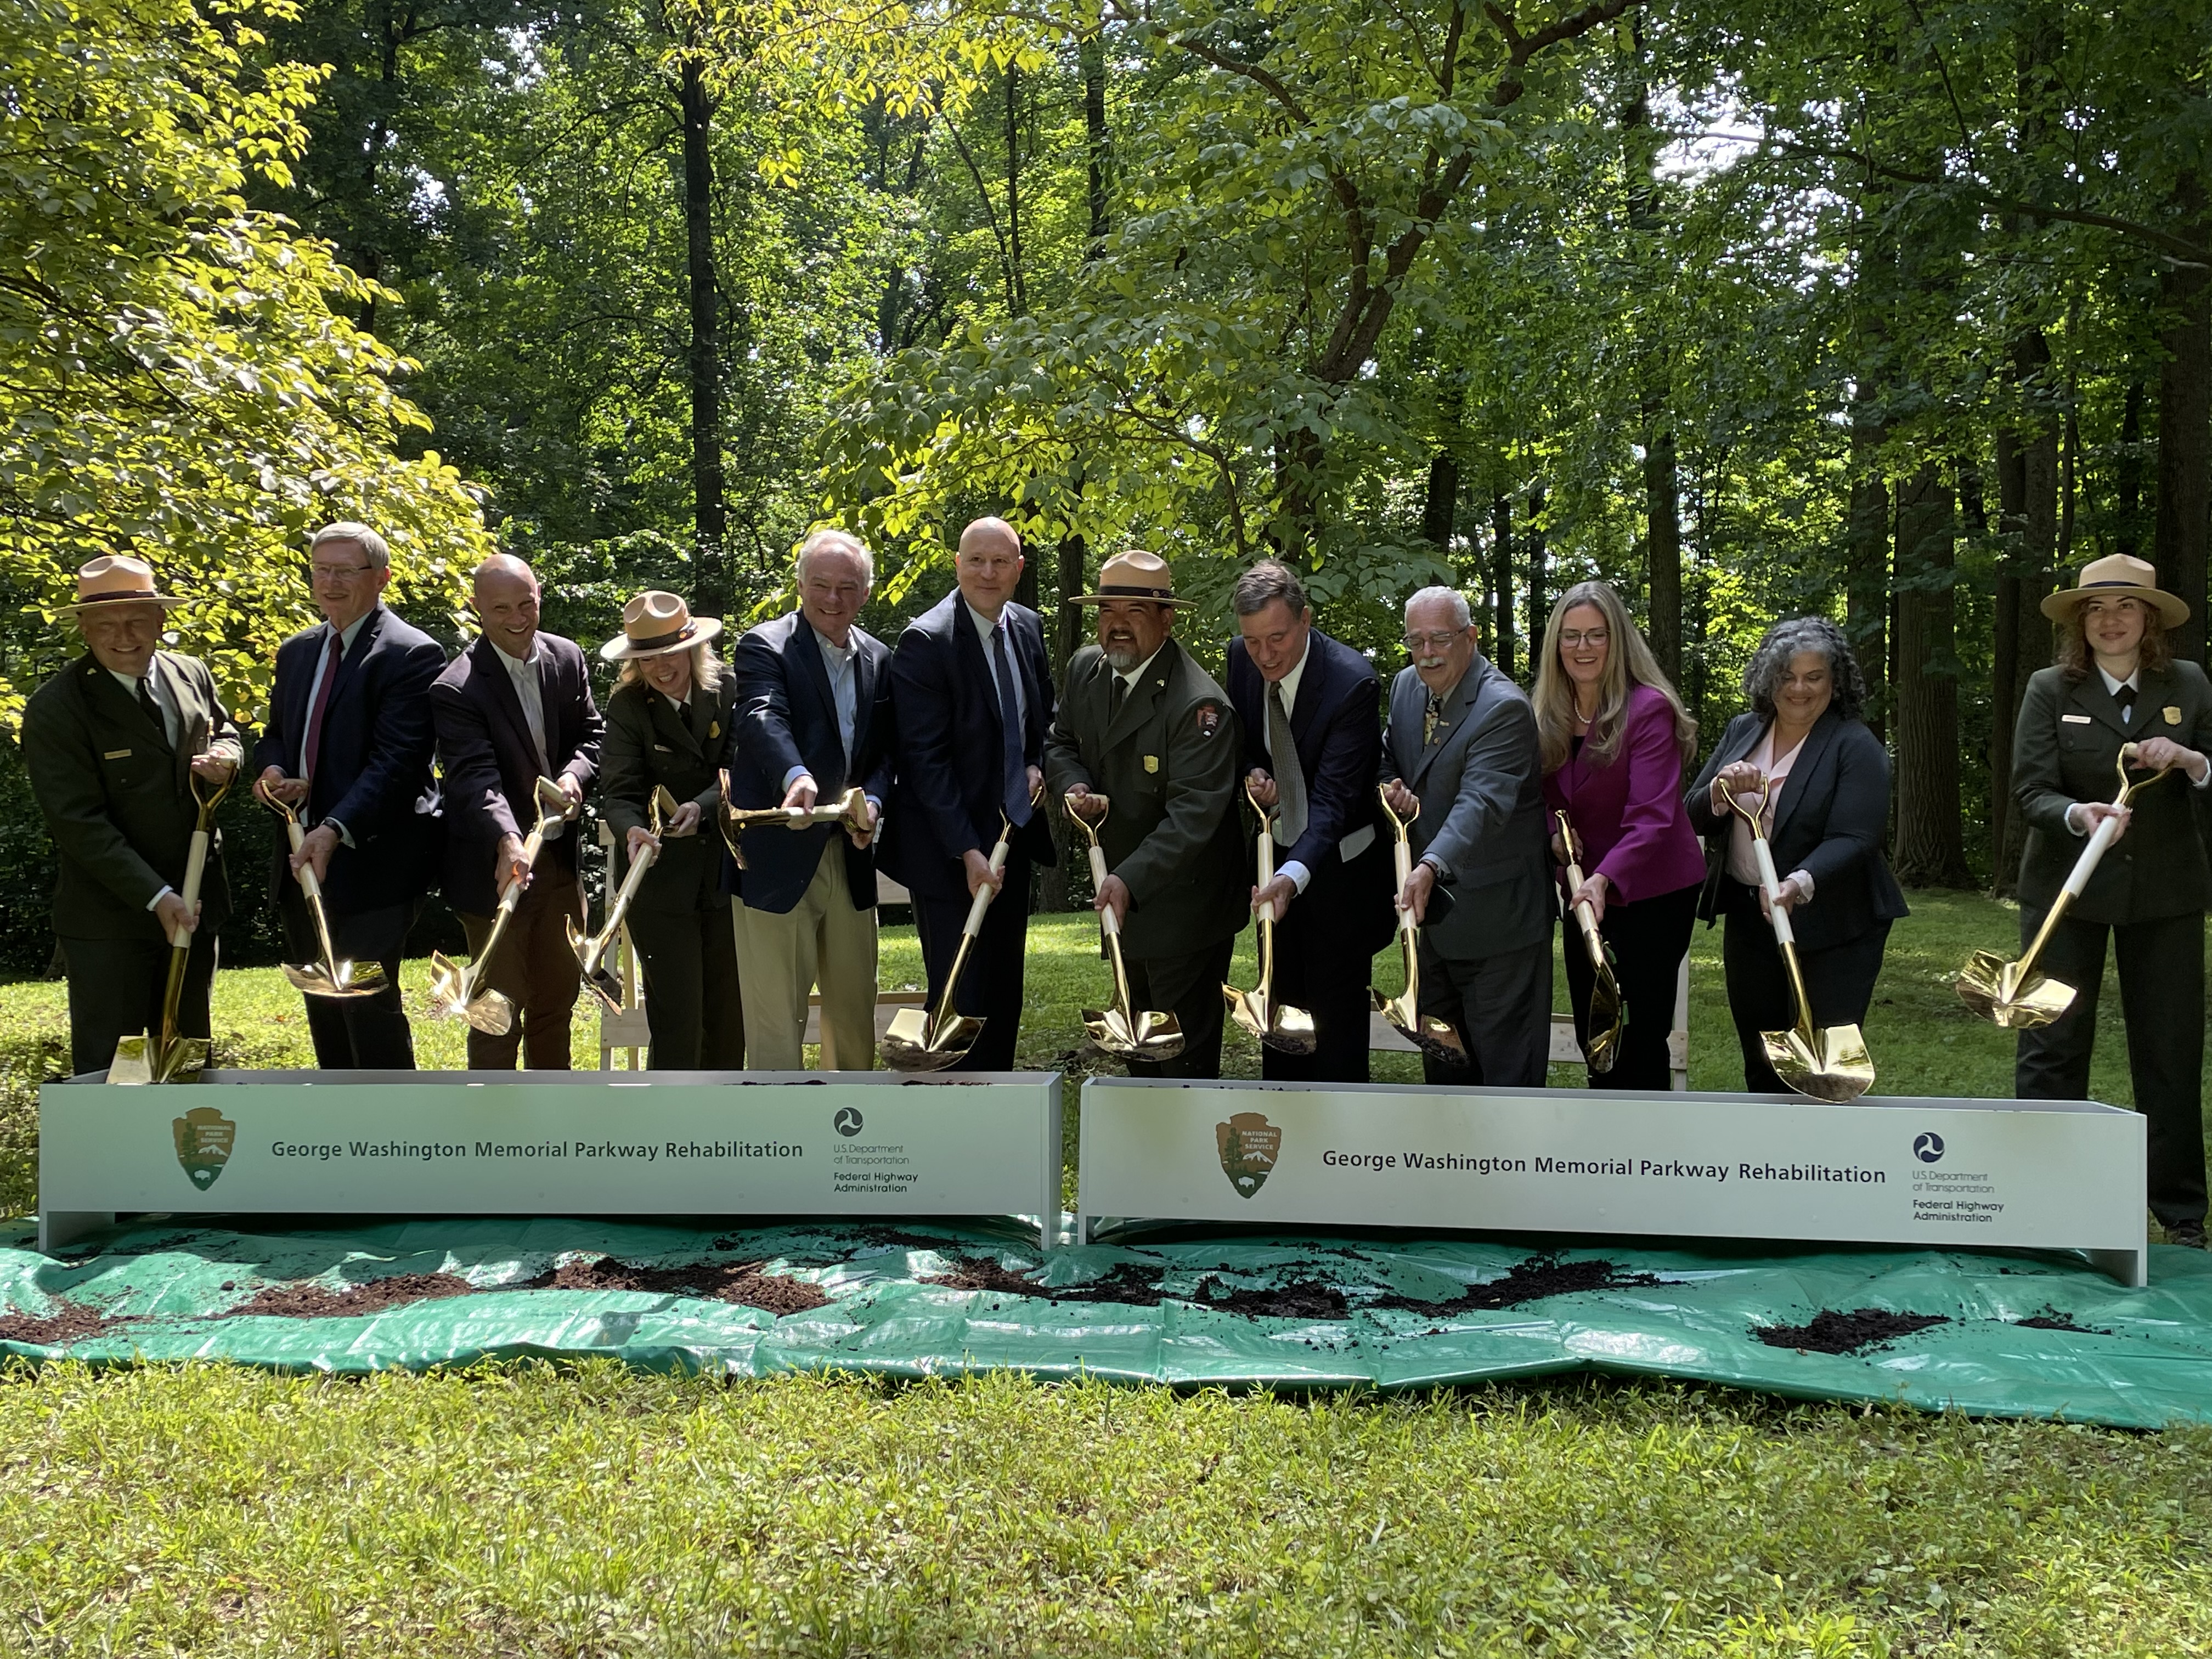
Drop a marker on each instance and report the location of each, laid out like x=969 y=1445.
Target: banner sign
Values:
x=576 y=1143
x=2038 y=1174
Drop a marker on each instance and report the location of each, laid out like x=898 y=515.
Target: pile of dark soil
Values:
x=308 y=1300
x=1530 y=1281
x=740 y=1283
x=2051 y=1319
x=1301 y=1298
x=1130 y=1283
x=1859 y=1331
x=74 y=1322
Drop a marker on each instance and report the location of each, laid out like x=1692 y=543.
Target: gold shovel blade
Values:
x=1155 y=1037
x=1994 y=988
x=1248 y=1008
x=1291 y=1031
x=132 y=1064
x=910 y=1044
x=355 y=979
x=1834 y=1066
x=1604 y=1028
x=591 y=961
x=183 y=1061
x=1435 y=1037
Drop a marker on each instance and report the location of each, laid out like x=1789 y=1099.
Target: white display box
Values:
x=551 y=1143
x=1941 y=1173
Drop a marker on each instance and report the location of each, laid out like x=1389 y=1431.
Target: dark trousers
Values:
x=1649 y=939
x=692 y=1008
x=535 y=970
x=1316 y=971
x=2162 y=997
x=355 y=1033
x=1501 y=1006
x=115 y=991
x=1839 y=981
x=991 y=985
x=1189 y=988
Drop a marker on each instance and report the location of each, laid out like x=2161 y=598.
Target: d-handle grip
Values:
x=985 y=893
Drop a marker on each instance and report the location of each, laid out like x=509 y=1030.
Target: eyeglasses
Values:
x=1596 y=638
x=1438 y=640
x=336 y=572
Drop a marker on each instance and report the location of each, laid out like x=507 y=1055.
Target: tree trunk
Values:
x=1539 y=613
x=1017 y=292
x=2027 y=478
x=1501 y=582
x=2004 y=658
x=1091 y=54
x=1930 y=841
x=1866 y=578
x=1662 y=490
x=710 y=523
x=2127 y=537
x=2184 y=430
x=1440 y=508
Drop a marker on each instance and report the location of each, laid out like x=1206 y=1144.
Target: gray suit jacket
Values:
x=1480 y=783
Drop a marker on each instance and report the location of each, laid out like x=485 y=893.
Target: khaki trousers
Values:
x=822 y=942
x=538 y=973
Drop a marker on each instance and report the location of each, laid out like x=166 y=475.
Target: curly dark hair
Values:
x=1785 y=641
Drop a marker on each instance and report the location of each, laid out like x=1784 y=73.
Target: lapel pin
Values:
x=1151 y=762
x=2172 y=713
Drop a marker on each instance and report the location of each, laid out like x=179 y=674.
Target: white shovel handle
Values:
x=985 y=893
x=1401 y=861
x=1773 y=885
x=2107 y=831
x=1269 y=912
x=195 y=867
x=298 y=836
x=1106 y=917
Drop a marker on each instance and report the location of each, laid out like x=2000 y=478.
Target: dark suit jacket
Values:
x=490 y=760
x=1832 y=817
x=118 y=798
x=1336 y=724
x=373 y=770
x=2064 y=750
x=947 y=746
x=1169 y=765
x=647 y=742
x=787 y=716
x=1480 y=785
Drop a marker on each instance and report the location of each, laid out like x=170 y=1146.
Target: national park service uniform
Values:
x=1165 y=755
x=114 y=781
x=2150 y=890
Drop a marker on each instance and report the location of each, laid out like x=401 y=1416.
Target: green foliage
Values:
x=173 y=381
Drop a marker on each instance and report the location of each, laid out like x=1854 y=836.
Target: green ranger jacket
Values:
x=2064 y=750
x=648 y=743
x=1168 y=765
x=117 y=797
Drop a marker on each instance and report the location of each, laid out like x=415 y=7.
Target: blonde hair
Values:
x=1628 y=665
x=706 y=668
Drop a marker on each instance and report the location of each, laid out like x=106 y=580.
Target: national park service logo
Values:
x=204 y=1137
x=1249 y=1144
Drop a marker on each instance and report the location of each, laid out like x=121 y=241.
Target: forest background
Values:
x=1892 y=310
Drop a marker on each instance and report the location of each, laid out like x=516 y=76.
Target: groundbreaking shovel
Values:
x=1277 y=1024
x=1604 y=1021
x=329 y=977
x=920 y=1040
x=1830 y=1063
x=2013 y=993
x=170 y=1058
x=1118 y=1031
x=849 y=811
x=592 y=953
x=1435 y=1037
x=457 y=990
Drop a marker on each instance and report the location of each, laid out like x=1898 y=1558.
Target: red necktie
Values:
x=314 y=742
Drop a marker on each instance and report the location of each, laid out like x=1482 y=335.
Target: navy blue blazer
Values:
x=490 y=760
x=373 y=770
x=787 y=716
x=946 y=745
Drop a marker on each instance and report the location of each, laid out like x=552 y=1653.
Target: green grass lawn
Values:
x=582 y=1510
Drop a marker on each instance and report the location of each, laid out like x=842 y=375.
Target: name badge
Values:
x=1151 y=762
x=2076 y=720
x=117 y=754
x=2172 y=713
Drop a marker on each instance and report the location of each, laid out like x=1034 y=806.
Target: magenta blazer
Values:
x=1630 y=815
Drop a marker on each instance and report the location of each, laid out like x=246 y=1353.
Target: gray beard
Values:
x=1120 y=658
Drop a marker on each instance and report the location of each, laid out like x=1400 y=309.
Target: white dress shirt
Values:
x=985 y=627
x=522 y=674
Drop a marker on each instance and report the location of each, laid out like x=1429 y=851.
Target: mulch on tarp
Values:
x=1830 y=1331
x=741 y=1283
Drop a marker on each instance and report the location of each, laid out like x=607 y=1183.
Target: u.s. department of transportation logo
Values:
x=1928 y=1146
x=846 y=1121
x=204 y=1139
x=1249 y=1145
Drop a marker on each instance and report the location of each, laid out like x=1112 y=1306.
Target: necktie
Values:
x=2126 y=696
x=312 y=744
x=1429 y=722
x=1115 y=698
x=153 y=709
x=1290 y=777
x=1017 y=790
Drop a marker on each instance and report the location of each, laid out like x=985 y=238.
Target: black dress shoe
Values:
x=2189 y=1235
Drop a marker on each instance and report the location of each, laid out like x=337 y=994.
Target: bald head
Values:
x=989 y=567
x=506 y=592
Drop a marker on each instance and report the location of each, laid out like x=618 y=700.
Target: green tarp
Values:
x=1367 y=1309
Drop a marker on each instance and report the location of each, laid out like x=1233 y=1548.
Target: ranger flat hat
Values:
x=116 y=579
x=655 y=623
x=2117 y=576
x=1136 y=574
